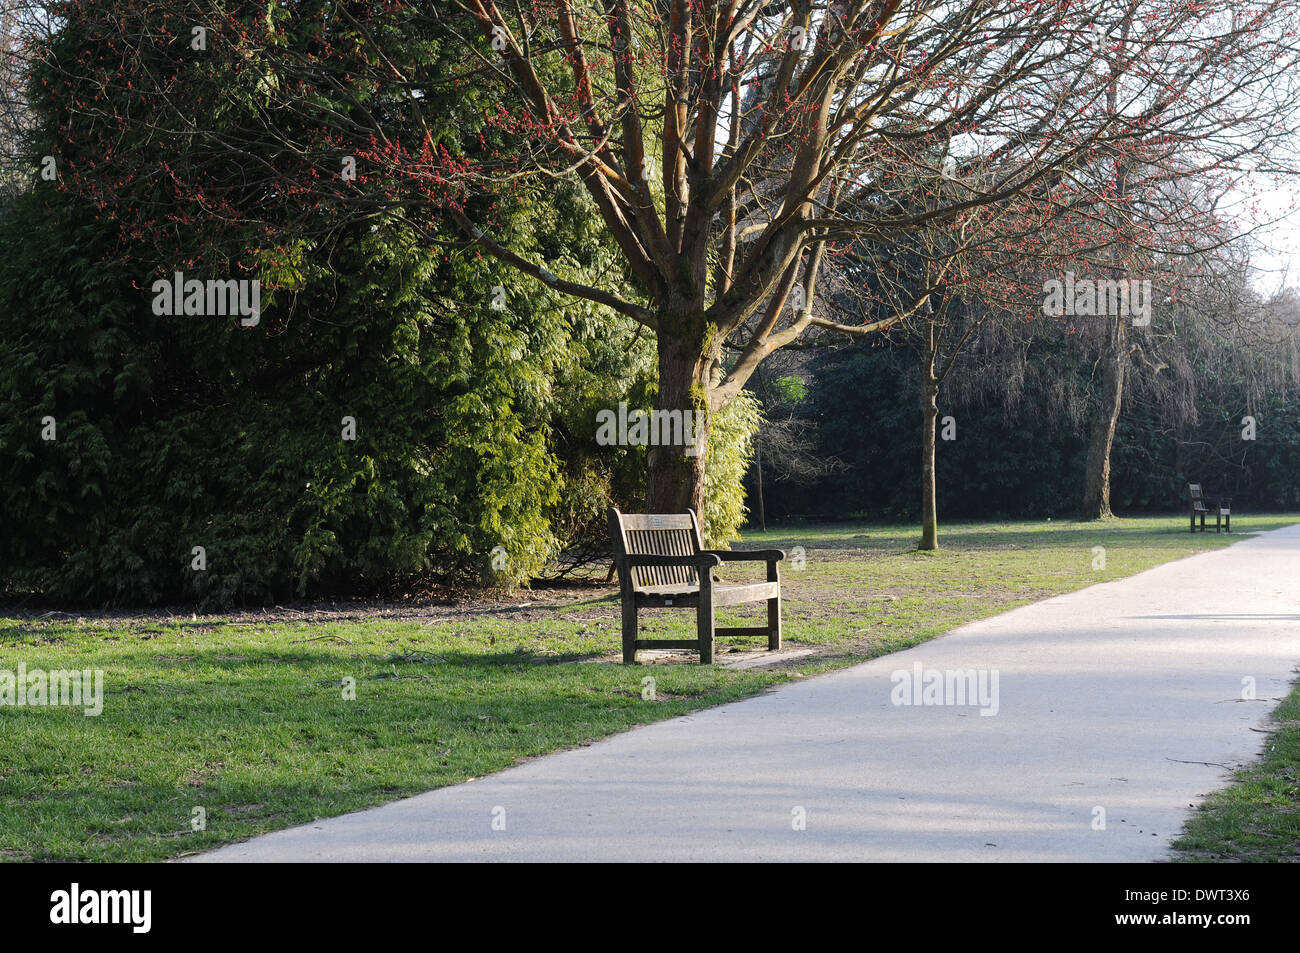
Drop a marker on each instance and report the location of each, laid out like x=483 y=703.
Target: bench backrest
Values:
x=1194 y=491
x=649 y=534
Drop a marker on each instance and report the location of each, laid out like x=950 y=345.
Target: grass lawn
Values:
x=245 y=716
x=1257 y=818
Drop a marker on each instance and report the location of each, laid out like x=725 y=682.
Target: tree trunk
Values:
x=929 y=419
x=1096 y=486
x=686 y=355
x=1096 y=477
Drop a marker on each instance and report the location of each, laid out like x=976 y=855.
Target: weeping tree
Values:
x=1213 y=105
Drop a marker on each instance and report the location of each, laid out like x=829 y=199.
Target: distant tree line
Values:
x=1214 y=398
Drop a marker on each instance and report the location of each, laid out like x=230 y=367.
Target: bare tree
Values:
x=1159 y=195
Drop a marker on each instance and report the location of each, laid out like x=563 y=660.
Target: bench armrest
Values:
x=748 y=555
x=700 y=559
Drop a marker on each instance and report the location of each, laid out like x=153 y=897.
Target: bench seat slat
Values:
x=671 y=597
x=670 y=589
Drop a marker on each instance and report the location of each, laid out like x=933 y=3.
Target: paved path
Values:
x=1124 y=696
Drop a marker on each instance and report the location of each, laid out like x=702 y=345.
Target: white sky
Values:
x=1277 y=212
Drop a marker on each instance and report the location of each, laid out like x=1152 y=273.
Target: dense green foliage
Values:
x=730 y=452
x=173 y=434
x=472 y=390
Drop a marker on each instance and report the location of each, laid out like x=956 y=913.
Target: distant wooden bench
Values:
x=1203 y=506
x=661 y=562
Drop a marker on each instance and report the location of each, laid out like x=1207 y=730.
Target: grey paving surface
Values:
x=1125 y=696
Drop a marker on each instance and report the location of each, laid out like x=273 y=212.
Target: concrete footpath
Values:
x=1124 y=698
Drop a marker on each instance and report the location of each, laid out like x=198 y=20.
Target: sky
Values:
x=1277 y=211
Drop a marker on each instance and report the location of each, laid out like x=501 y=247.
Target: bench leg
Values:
x=704 y=620
x=629 y=631
x=774 y=624
x=704 y=631
x=705 y=616
x=773 y=611
x=1227 y=522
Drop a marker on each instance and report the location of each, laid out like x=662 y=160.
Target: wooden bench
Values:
x=1202 y=505
x=661 y=562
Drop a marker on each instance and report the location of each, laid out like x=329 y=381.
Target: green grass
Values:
x=1257 y=818
x=245 y=715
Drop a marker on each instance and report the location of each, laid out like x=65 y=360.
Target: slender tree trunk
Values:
x=686 y=355
x=1096 y=484
x=758 y=464
x=1096 y=478
x=929 y=419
